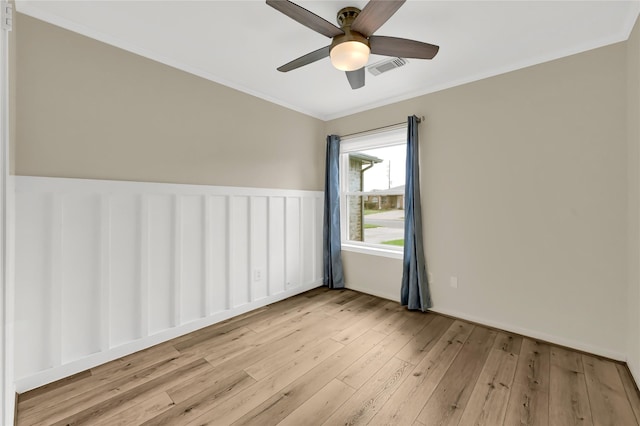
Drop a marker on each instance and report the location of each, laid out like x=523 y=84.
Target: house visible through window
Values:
x=372 y=191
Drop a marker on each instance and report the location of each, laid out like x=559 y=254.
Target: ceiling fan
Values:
x=353 y=42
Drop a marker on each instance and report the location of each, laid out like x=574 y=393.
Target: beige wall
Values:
x=89 y=110
x=633 y=129
x=524 y=192
x=375 y=275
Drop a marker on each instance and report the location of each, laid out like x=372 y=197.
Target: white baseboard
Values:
x=558 y=340
x=384 y=295
x=550 y=338
x=635 y=374
x=39 y=379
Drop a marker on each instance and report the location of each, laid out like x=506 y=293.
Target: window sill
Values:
x=375 y=251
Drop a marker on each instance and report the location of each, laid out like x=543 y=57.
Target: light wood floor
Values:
x=342 y=358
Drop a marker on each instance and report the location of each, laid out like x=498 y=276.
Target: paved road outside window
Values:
x=390 y=226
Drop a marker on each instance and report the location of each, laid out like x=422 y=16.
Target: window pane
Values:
x=378 y=169
x=373 y=225
x=377 y=217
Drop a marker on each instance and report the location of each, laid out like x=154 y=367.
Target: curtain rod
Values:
x=377 y=129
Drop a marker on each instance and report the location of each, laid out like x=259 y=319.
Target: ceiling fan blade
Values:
x=402 y=47
x=306 y=18
x=306 y=59
x=374 y=14
x=356 y=78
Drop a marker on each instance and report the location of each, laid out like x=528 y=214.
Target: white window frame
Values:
x=381 y=139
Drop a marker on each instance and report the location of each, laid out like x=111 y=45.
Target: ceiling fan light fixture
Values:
x=353 y=42
x=350 y=55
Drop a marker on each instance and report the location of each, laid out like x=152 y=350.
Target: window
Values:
x=372 y=178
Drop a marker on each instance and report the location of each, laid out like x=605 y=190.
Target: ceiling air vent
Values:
x=386 y=65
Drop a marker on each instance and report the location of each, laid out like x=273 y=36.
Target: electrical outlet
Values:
x=453 y=282
x=257 y=275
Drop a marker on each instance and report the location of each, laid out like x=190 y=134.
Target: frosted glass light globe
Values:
x=350 y=55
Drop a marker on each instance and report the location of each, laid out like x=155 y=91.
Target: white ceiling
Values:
x=241 y=43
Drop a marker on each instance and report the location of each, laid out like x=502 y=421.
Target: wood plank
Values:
x=630 y=389
x=241 y=320
x=421 y=344
x=309 y=305
x=273 y=360
x=362 y=370
x=529 y=399
x=134 y=362
x=247 y=353
x=363 y=405
x=96 y=392
x=568 y=398
x=248 y=399
x=509 y=343
x=288 y=399
x=566 y=359
x=248 y=358
x=450 y=398
x=393 y=321
x=321 y=296
x=351 y=313
x=99 y=376
x=247 y=318
x=346 y=295
x=365 y=323
x=58 y=386
x=488 y=402
x=607 y=397
x=355 y=302
x=229 y=324
x=218 y=391
x=105 y=404
x=407 y=401
x=321 y=405
x=203 y=337
x=230 y=349
x=224 y=340
x=182 y=391
x=147 y=408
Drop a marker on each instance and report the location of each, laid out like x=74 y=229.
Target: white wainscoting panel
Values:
x=259 y=247
x=277 y=261
x=293 y=242
x=218 y=254
x=160 y=258
x=106 y=268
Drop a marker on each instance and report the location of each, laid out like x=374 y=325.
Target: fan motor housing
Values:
x=345 y=17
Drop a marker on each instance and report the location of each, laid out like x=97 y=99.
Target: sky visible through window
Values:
x=388 y=174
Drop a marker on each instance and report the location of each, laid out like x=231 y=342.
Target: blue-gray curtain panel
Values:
x=333 y=276
x=414 y=292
